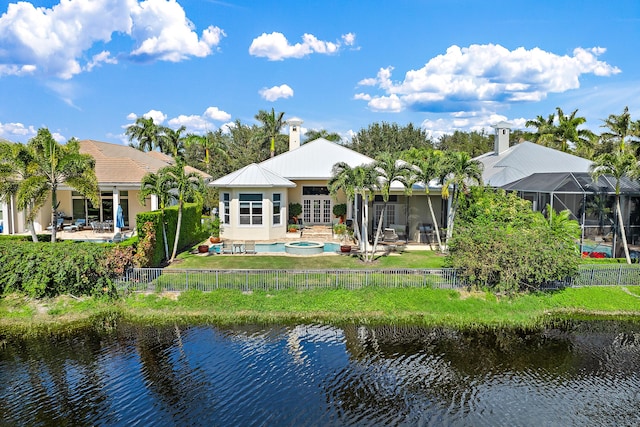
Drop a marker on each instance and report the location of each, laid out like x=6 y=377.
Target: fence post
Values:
x=187 y=278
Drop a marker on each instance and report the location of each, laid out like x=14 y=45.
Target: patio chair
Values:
x=117 y=238
x=250 y=247
x=227 y=247
x=389 y=235
x=59 y=222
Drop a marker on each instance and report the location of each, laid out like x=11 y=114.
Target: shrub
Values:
x=500 y=243
x=47 y=270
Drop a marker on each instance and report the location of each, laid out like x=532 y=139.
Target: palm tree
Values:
x=388 y=169
x=458 y=171
x=55 y=164
x=312 y=134
x=353 y=181
x=15 y=167
x=172 y=142
x=621 y=128
x=617 y=164
x=271 y=125
x=184 y=186
x=545 y=129
x=152 y=184
x=567 y=131
x=146 y=132
x=426 y=167
x=213 y=145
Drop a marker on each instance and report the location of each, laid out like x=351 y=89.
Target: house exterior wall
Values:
x=234 y=230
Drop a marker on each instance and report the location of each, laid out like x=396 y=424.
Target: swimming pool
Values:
x=279 y=247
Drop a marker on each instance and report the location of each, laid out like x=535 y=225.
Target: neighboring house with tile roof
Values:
x=119 y=170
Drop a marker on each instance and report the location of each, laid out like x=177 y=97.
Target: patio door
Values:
x=316 y=210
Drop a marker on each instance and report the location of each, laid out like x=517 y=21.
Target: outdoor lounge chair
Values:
x=227 y=247
x=59 y=222
x=250 y=247
x=389 y=235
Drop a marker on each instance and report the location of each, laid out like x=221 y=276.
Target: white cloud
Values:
x=276 y=47
x=193 y=123
x=349 y=39
x=197 y=124
x=54 y=41
x=478 y=76
x=468 y=121
x=97 y=60
x=16 y=131
x=158 y=116
x=163 y=32
x=216 y=114
x=276 y=92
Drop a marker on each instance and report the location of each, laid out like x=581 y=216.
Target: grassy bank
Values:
x=428 y=307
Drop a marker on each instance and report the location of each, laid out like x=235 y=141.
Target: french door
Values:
x=316 y=210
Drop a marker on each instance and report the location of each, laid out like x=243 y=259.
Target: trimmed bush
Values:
x=47 y=270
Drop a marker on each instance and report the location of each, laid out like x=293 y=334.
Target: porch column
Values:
x=5 y=218
x=154 y=202
x=116 y=203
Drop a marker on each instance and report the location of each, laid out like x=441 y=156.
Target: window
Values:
x=250 y=209
x=226 y=202
x=315 y=191
x=277 y=216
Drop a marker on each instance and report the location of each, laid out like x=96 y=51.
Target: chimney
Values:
x=294 y=132
x=501 y=142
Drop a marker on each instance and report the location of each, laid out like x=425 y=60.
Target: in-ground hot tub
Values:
x=304 y=248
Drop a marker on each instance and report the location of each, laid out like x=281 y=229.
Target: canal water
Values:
x=575 y=374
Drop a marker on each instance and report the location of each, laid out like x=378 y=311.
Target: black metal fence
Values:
x=169 y=279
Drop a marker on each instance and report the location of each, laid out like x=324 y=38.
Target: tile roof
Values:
x=121 y=164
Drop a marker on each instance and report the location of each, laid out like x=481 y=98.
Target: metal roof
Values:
x=252 y=175
x=314 y=160
x=572 y=183
x=527 y=158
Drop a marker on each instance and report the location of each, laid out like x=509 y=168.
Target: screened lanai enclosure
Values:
x=591 y=203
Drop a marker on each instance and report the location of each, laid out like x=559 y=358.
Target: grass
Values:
x=426 y=307
x=408 y=259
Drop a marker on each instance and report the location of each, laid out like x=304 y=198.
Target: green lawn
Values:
x=407 y=259
x=421 y=306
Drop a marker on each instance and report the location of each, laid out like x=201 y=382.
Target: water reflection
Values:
x=574 y=374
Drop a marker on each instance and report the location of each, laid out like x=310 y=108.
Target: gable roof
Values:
x=527 y=158
x=124 y=165
x=314 y=160
x=252 y=175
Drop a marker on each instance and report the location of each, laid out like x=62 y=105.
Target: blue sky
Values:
x=88 y=68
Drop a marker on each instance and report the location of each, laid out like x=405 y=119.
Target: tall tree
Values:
x=388 y=170
x=16 y=166
x=271 y=125
x=567 y=132
x=145 y=132
x=475 y=143
x=185 y=186
x=426 y=167
x=312 y=134
x=391 y=138
x=172 y=142
x=458 y=171
x=55 y=164
x=621 y=129
x=353 y=182
x=211 y=145
x=545 y=130
x=154 y=184
x=617 y=164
